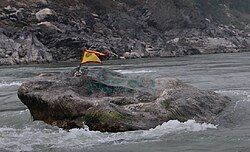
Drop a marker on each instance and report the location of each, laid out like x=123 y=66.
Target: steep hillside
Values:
x=57 y=30
x=229 y=12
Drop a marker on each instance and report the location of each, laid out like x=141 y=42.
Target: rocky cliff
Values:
x=37 y=31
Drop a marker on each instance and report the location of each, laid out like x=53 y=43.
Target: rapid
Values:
x=227 y=74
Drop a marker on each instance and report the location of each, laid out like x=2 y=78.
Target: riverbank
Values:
x=44 y=31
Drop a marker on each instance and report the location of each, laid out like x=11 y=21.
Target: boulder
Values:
x=131 y=55
x=33 y=51
x=108 y=101
x=49 y=25
x=44 y=14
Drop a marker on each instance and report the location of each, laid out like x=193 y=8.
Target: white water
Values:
x=134 y=71
x=24 y=139
x=244 y=95
x=9 y=84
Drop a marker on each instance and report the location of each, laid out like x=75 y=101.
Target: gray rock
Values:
x=7 y=61
x=49 y=25
x=25 y=49
x=18 y=14
x=2 y=53
x=36 y=52
x=8 y=45
x=9 y=9
x=204 y=45
x=109 y=101
x=44 y=14
x=131 y=55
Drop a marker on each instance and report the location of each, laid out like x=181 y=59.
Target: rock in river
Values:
x=105 y=100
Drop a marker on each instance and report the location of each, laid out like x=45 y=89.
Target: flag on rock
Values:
x=91 y=56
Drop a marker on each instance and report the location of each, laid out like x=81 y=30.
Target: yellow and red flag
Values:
x=91 y=56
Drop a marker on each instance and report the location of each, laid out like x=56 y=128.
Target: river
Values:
x=228 y=74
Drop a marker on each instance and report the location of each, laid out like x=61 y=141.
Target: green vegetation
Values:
x=165 y=104
x=103 y=117
x=176 y=114
x=112 y=115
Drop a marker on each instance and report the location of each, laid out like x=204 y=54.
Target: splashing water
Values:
x=5 y=84
x=238 y=95
x=27 y=138
x=134 y=71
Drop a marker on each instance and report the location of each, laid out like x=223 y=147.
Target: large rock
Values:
x=44 y=14
x=108 y=101
x=25 y=49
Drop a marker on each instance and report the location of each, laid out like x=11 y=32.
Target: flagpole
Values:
x=78 y=69
x=80 y=65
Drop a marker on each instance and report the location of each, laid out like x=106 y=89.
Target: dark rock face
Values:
x=25 y=49
x=178 y=16
x=129 y=29
x=108 y=101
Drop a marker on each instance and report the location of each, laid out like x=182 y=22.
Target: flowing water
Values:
x=228 y=74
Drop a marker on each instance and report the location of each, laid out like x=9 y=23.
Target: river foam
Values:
x=244 y=95
x=28 y=138
x=134 y=71
x=9 y=84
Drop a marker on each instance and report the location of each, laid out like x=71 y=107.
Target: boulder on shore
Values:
x=44 y=14
x=105 y=100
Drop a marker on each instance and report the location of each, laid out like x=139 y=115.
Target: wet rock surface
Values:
x=129 y=29
x=105 y=100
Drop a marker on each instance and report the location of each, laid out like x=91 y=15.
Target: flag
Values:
x=91 y=56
